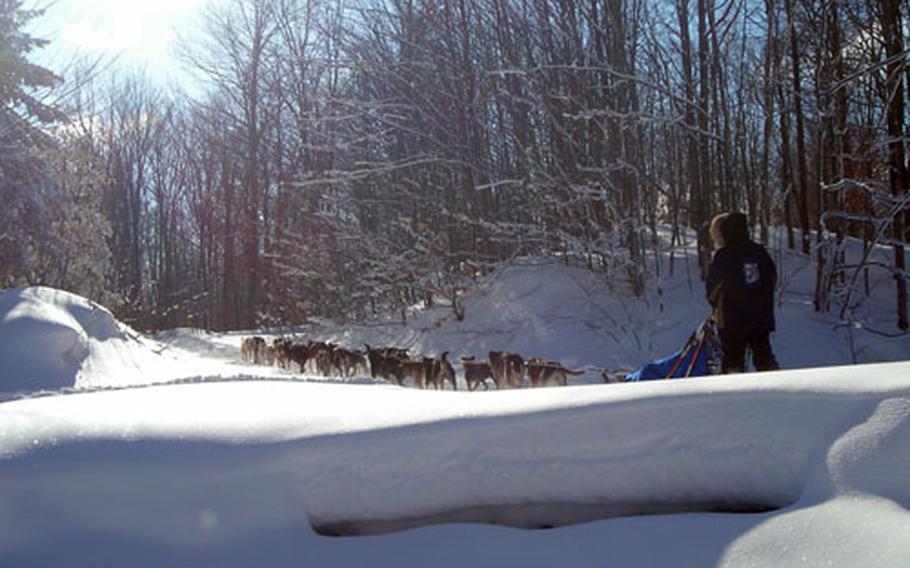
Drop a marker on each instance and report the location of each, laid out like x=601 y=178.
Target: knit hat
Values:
x=735 y=229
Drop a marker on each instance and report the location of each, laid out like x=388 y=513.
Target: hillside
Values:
x=591 y=321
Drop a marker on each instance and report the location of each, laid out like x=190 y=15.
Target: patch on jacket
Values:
x=751 y=273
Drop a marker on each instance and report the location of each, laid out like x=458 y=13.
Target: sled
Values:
x=700 y=356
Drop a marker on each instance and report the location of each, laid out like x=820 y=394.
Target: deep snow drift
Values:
x=794 y=468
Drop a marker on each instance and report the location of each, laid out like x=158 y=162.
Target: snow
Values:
x=51 y=339
x=188 y=471
x=118 y=449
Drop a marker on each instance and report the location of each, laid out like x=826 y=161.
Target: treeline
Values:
x=341 y=158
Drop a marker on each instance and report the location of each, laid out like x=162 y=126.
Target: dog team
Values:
x=506 y=370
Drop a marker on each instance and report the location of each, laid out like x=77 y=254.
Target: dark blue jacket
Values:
x=740 y=286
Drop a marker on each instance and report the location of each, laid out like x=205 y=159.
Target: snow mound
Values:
x=46 y=337
x=51 y=339
x=873 y=457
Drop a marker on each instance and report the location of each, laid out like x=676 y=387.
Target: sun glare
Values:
x=137 y=33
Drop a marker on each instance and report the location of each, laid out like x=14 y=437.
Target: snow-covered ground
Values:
x=122 y=450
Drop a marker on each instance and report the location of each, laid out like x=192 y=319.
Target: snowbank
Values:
x=51 y=339
x=46 y=337
x=188 y=471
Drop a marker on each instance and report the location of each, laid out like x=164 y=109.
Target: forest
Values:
x=346 y=158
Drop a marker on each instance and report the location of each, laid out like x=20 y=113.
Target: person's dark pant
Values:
x=735 y=343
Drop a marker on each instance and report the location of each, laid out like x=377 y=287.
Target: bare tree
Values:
x=898 y=174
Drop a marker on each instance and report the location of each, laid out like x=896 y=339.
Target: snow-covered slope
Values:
x=590 y=320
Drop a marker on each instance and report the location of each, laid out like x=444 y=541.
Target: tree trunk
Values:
x=769 y=67
x=803 y=197
x=697 y=216
x=892 y=30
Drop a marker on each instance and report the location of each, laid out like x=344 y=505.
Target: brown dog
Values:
x=441 y=371
x=376 y=357
x=349 y=363
x=281 y=346
x=508 y=369
x=445 y=371
x=252 y=350
x=544 y=372
x=267 y=356
x=417 y=370
x=385 y=363
x=476 y=373
x=247 y=347
x=297 y=353
x=320 y=353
